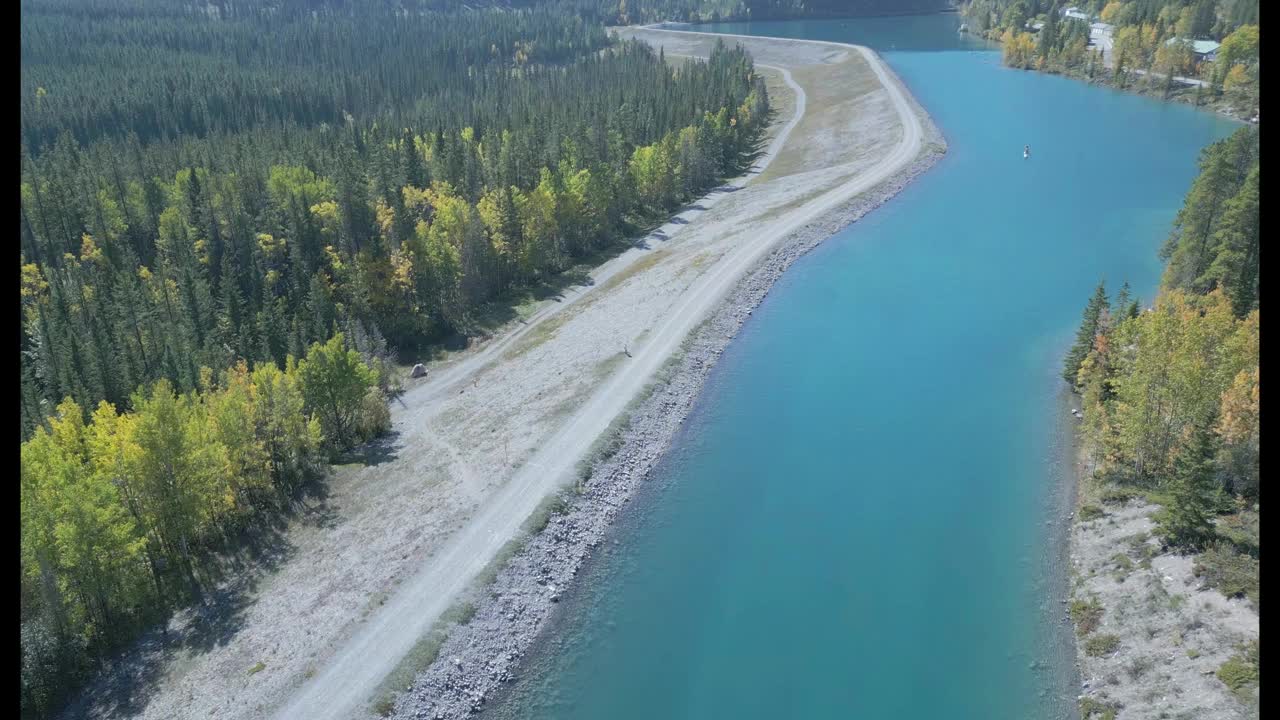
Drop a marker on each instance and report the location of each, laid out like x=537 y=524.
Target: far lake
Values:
x=863 y=516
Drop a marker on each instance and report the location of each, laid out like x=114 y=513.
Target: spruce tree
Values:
x=1085 y=335
x=1187 y=520
x=1126 y=305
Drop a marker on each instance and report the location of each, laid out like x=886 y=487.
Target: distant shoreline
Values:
x=782 y=18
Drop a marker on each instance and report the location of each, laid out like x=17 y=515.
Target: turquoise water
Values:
x=853 y=522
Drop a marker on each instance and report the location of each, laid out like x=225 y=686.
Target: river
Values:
x=863 y=516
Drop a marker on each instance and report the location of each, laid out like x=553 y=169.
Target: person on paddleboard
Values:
x=1026 y=151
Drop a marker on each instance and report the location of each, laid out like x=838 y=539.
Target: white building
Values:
x=1075 y=13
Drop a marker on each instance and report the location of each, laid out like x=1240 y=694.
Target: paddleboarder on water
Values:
x=1026 y=151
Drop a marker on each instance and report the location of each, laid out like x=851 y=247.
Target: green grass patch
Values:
x=1231 y=572
x=1086 y=614
x=633 y=269
x=1117 y=495
x=1100 y=645
x=1241 y=529
x=1139 y=547
x=257 y=668
x=605 y=446
x=1124 y=566
x=1240 y=673
x=540 y=333
x=1091 y=512
x=1193 y=653
x=1091 y=709
x=538 y=520
x=424 y=652
x=490 y=572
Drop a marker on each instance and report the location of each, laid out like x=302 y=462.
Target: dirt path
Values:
x=354 y=672
x=443 y=379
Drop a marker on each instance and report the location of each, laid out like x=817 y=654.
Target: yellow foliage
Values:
x=1019 y=49
x=1236 y=78
x=1239 y=415
x=384 y=217
x=89 y=250
x=401 y=272
x=1111 y=10
x=335 y=261
x=417 y=202
x=33 y=282
x=327 y=216
x=270 y=246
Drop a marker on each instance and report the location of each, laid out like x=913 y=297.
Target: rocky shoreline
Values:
x=1151 y=634
x=480 y=657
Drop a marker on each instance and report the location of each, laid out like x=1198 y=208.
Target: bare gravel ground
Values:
x=1173 y=633
x=478 y=444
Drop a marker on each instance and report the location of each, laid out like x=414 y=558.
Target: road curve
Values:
x=348 y=678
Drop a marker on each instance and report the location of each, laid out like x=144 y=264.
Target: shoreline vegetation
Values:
x=162 y=240
x=853 y=178
x=1165 y=553
x=224 y=272
x=1145 y=48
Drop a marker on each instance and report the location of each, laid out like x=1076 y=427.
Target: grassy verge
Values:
x=427 y=649
x=1240 y=673
x=424 y=652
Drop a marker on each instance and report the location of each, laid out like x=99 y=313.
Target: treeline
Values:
x=124 y=516
x=1191 y=19
x=1170 y=395
x=168 y=74
x=149 y=260
x=648 y=11
x=1152 y=36
x=625 y=12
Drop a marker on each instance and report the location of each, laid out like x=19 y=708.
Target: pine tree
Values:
x=1126 y=306
x=1093 y=315
x=1235 y=269
x=1187 y=521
